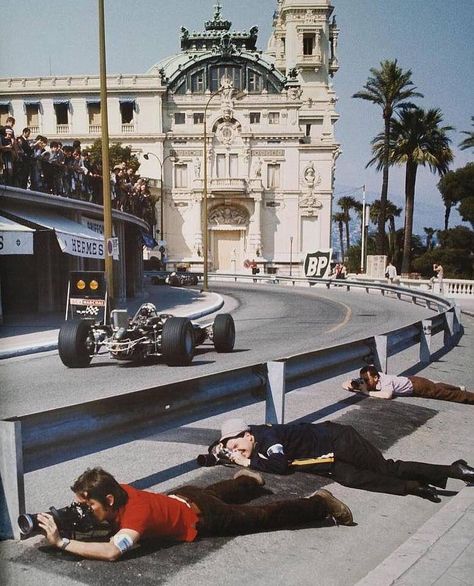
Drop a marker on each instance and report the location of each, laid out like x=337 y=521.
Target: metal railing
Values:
x=42 y=439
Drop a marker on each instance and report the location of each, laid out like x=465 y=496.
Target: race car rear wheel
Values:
x=224 y=332
x=72 y=343
x=177 y=341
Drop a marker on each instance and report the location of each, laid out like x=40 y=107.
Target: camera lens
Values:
x=28 y=523
x=206 y=460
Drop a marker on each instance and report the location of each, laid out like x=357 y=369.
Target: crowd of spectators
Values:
x=67 y=170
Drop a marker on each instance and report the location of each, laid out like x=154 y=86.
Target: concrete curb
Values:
x=48 y=346
x=431 y=551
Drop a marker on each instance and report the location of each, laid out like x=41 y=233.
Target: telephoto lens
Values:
x=206 y=460
x=28 y=524
x=69 y=520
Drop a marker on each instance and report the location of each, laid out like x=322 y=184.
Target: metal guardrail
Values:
x=32 y=442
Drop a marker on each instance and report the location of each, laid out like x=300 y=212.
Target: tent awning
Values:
x=73 y=238
x=15 y=238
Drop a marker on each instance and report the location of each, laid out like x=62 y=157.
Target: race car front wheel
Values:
x=177 y=341
x=73 y=343
x=224 y=333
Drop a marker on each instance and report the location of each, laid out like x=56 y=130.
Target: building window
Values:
x=62 y=113
x=308 y=44
x=255 y=82
x=198 y=117
x=308 y=130
x=4 y=113
x=233 y=165
x=220 y=72
x=273 y=117
x=181 y=175
x=197 y=82
x=94 y=114
x=126 y=111
x=273 y=176
x=220 y=166
x=254 y=117
x=179 y=118
x=32 y=116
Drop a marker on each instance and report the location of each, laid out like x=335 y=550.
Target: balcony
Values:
x=128 y=128
x=228 y=184
x=95 y=128
x=309 y=61
x=62 y=128
x=35 y=129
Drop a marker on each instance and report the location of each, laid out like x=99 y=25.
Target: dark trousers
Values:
x=359 y=464
x=222 y=511
x=422 y=387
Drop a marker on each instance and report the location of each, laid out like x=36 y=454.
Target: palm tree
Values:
x=347 y=203
x=340 y=218
x=416 y=138
x=389 y=87
x=467 y=143
x=391 y=212
x=429 y=237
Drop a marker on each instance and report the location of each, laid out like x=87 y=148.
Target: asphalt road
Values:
x=271 y=323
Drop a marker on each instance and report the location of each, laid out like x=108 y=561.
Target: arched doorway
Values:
x=228 y=226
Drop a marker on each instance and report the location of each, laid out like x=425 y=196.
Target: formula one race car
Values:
x=146 y=334
x=175 y=279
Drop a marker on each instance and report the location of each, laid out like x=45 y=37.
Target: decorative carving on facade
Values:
x=226 y=133
x=228 y=215
x=311 y=177
x=197 y=167
x=309 y=204
x=257 y=169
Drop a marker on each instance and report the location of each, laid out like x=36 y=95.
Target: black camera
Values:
x=217 y=455
x=76 y=517
x=356 y=383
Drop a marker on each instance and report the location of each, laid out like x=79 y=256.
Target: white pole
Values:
x=362 y=239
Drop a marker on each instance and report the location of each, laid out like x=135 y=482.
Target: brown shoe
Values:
x=339 y=511
x=251 y=474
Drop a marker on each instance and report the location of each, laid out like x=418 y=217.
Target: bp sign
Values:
x=317 y=264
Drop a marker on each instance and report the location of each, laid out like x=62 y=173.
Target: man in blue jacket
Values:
x=336 y=451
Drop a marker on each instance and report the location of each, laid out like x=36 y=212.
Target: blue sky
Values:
x=430 y=37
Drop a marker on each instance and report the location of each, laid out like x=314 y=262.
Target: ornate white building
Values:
x=268 y=118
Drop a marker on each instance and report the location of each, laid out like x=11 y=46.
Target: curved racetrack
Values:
x=271 y=322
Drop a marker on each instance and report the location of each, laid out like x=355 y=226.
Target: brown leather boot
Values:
x=338 y=510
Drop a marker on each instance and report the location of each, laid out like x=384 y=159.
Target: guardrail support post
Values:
x=425 y=341
x=275 y=396
x=12 y=501
x=449 y=327
x=381 y=353
x=457 y=316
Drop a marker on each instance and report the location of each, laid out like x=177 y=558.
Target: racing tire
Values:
x=177 y=341
x=72 y=343
x=223 y=333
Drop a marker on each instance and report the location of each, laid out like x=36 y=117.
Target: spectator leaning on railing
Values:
x=69 y=171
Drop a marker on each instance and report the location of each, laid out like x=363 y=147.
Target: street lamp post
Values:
x=109 y=277
x=171 y=156
x=205 y=226
x=291 y=254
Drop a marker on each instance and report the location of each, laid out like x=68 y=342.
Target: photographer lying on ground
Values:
x=336 y=451
x=386 y=386
x=186 y=514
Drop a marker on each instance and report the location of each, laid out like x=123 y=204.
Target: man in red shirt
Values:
x=189 y=512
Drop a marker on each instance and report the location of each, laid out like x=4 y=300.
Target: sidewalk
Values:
x=31 y=333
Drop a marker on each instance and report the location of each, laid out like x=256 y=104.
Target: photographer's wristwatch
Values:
x=65 y=543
